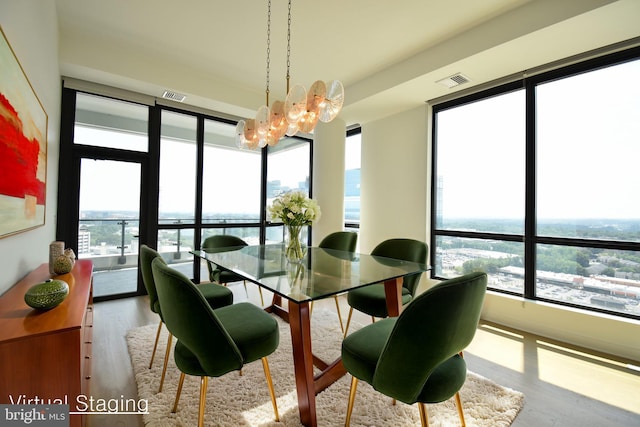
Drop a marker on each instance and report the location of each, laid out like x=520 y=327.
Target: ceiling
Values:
x=388 y=55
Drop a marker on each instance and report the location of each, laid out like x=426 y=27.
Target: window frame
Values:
x=67 y=219
x=529 y=238
x=352 y=225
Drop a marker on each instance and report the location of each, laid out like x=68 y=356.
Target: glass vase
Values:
x=295 y=248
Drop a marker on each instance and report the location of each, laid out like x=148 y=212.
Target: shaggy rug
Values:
x=234 y=400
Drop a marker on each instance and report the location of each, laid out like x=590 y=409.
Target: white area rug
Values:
x=234 y=400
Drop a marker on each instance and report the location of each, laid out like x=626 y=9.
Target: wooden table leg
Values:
x=393 y=293
x=300 y=325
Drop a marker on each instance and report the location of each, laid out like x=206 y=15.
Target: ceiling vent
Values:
x=455 y=80
x=178 y=97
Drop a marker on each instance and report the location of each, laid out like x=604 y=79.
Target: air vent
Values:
x=178 y=97
x=455 y=80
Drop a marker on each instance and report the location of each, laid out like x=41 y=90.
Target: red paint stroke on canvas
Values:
x=18 y=157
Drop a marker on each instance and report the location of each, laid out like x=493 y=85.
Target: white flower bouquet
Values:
x=295 y=210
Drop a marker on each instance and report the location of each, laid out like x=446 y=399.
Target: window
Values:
x=231 y=178
x=587 y=144
x=192 y=182
x=479 y=191
x=473 y=181
x=288 y=169
x=104 y=122
x=352 y=179
x=177 y=192
x=535 y=183
x=103 y=150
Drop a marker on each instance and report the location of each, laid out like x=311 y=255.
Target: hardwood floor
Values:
x=112 y=375
x=563 y=386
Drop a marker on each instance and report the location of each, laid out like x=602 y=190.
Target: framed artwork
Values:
x=23 y=148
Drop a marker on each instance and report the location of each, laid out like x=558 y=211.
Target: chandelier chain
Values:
x=288 y=45
x=301 y=110
x=268 y=47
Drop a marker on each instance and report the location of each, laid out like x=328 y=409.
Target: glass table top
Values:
x=320 y=274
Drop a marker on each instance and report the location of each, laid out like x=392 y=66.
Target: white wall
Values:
x=31 y=29
x=394 y=176
x=608 y=334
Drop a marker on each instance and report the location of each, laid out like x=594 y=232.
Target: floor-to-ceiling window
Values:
x=186 y=176
x=535 y=182
x=100 y=189
x=231 y=186
x=177 y=189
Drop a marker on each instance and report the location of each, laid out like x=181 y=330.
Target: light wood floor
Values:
x=563 y=386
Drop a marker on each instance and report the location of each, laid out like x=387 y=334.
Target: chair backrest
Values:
x=147 y=255
x=220 y=243
x=340 y=240
x=408 y=250
x=217 y=242
x=191 y=320
x=435 y=326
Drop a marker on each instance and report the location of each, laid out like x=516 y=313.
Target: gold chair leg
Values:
x=352 y=398
x=155 y=346
x=166 y=361
x=175 y=403
x=261 y=297
x=203 y=400
x=272 y=392
x=311 y=308
x=459 y=402
x=335 y=297
x=346 y=329
x=424 y=419
x=247 y=292
x=460 y=411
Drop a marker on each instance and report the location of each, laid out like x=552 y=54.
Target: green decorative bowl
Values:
x=46 y=295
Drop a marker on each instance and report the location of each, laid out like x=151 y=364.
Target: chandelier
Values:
x=300 y=111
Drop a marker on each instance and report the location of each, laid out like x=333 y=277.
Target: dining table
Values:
x=322 y=273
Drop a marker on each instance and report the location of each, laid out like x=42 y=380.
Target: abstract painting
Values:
x=23 y=148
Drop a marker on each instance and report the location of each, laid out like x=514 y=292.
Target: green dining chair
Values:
x=211 y=343
x=216 y=296
x=223 y=243
x=371 y=299
x=417 y=357
x=342 y=241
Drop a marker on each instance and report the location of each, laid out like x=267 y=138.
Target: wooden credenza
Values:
x=47 y=355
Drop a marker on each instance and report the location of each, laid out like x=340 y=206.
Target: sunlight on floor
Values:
x=597 y=377
x=502 y=347
x=593 y=376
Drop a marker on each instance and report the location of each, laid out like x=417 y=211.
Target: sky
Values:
x=588 y=124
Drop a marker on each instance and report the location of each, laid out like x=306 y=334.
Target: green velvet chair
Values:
x=342 y=241
x=216 y=296
x=371 y=299
x=211 y=343
x=417 y=357
x=222 y=243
